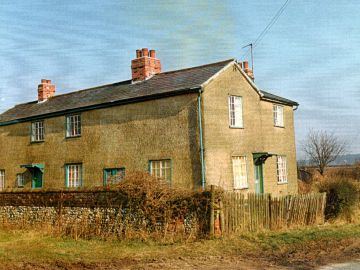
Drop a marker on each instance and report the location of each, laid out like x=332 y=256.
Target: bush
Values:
x=341 y=197
x=156 y=204
x=141 y=206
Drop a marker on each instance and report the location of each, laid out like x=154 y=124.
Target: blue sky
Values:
x=311 y=55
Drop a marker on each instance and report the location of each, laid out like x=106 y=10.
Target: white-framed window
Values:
x=161 y=169
x=235 y=112
x=73 y=125
x=73 y=175
x=37 y=131
x=20 y=180
x=281 y=169
x=278 y=112
x=2 y=179
x=240 y=172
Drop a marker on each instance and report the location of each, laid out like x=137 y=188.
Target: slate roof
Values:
x=273 y=97
x=163 y=84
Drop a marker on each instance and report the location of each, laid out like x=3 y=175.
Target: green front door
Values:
x=259 y=177
x=36 y=178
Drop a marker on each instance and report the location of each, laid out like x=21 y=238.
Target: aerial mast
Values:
x=252 y=56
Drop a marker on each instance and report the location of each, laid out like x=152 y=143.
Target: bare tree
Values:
x=323 y=148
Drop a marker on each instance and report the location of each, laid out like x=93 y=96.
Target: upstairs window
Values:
x=37 y=131
x=235 y=112
x=20 y=180
x=113 y=176
x=161 y=169
x=278 y=112
x=281 y=169
x=239 y=172
x=2 y=179
x=73 y=125
x=73 y=175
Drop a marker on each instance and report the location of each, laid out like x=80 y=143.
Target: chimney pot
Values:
x=145 y=52
x=45 y=81
x=152 y=54
x=246 y=64
x=138 y=53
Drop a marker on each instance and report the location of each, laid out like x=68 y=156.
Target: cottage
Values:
x=193 y=127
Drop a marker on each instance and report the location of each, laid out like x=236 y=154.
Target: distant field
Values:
x=303 y=248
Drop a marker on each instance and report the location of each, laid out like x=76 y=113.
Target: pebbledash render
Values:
x=194 y=127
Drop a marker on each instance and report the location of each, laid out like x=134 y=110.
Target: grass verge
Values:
x=284 y=248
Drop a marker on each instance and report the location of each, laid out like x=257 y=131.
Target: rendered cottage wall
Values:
x=122 y=136
x=257 y=135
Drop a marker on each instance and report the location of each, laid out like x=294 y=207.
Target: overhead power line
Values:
x=268 y=27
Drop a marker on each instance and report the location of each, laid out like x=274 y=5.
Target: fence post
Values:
x=270 y=214
x=323 y=206
x=222 y=216
x=212 y=210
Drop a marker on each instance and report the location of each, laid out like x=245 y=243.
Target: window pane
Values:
x=73 y=125
x=113 y=176
x=239 y=172
x=161 y=169
x=2 y=179
x=281 y=169
x=37 y=131
x=73 y=173
x=20 y=179
x=235 y=111
x=278 y=112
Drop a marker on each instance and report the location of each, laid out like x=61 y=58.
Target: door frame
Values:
x=259 y=161
x=33 y=185
x=259 y=181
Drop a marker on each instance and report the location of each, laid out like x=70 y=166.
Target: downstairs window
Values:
x=161 y=169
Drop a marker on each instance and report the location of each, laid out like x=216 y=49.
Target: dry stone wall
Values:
x=98 y=213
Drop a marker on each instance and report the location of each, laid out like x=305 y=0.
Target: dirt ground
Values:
x=309 y=257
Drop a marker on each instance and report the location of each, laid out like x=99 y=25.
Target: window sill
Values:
x=283 y=183
x=279 y=126
x=74 y=188
x=35 y=142
x=241 y=188
x=233 y=127
x=72 y=137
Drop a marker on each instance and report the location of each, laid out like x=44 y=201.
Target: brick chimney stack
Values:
x=45 y=90
x=145 y=65
x=247 y=70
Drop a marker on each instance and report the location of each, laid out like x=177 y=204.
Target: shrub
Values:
x=304 y=188
x=141 y=206
x=342 y=197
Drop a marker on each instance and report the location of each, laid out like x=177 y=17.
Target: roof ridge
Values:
x=195 y=67
x=123 y=82
x=76 y=91
x=92 y=88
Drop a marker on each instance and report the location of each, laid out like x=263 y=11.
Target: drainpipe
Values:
x=201 y=144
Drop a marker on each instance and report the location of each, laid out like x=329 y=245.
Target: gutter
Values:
x=280 y=101
x=201 y=143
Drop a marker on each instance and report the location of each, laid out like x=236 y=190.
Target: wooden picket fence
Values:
x=236 y=212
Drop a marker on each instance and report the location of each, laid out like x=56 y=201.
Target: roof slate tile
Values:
x=160 y=84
